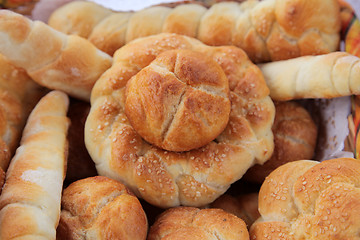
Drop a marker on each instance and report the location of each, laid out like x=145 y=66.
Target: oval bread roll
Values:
x=97 y=208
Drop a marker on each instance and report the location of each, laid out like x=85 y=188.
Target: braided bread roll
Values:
x=267 y=30
x=18 y=96
x=30 y=200
x=330 y=75
x=310 y=200
x=179 y=84
x=54 y=60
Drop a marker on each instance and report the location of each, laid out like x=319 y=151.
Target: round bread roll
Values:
x=193 y=223
x=310 y=200
x=195 y=177
x=244 y=206
x=180 y=101
x=101 y=208
x=295 y=137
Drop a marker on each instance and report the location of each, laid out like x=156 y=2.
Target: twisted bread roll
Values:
x=310 y=200
x=326 y=76
x=30 y=200
x=18 y=95
x=295 y=136
x=54 y=60
x=101 y=208
x=192 y=223
x=166 y=178
x=266 y=30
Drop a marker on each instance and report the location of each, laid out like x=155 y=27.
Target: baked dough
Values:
x=306 y=199
x=30 y=199
x=52 y=59
x=266 y=30
x=166 y=178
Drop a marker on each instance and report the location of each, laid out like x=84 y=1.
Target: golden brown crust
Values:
x=310 y=200
x=101 y=208
x=58 y=61
x=266 y=30
x=188 y=222
x=30 y=199
x=180 y=101
x=195 y=177
x=295 y=136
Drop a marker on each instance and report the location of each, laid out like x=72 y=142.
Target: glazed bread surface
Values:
x=266 y=30
x=30 y=199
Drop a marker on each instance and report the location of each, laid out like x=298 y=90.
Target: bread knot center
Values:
x=180 y=101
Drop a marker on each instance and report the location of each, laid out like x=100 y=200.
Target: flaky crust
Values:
x=194 y=177
x=310 y=200
x=295 y=138
x=266 y=30
x=51 y=58
x=101 y=208
x=30 y=199
x=331 y=75
x=193 y=223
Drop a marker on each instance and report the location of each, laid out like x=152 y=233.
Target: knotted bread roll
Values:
x=193 y=223
x=97 y=208
x=310 y=200
x=330 y=75
x=295 y=138
x=51 y=58
x=266 y=30
x=198 y=176
x=30 y=199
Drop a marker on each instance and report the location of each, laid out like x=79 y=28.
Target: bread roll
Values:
x=330 y=75
x=97 y=208
x=180 y=101
x=267 y=30
x=244 y=206
x=310 y=200
x=295 y=138
x=51 y=58
x=18 y=96
x=193 y=223
x=167 y=178
x=30 y=200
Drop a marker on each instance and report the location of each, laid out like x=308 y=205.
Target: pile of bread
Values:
x=174 y=122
